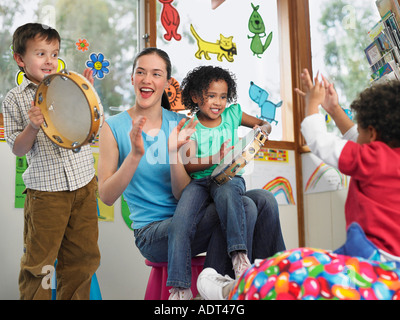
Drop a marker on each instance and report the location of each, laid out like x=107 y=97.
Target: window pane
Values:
x=339 y=35
x=230 y=19
x=108 y=26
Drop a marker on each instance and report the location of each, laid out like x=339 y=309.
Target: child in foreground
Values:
x=372 y=161
x=61 y=208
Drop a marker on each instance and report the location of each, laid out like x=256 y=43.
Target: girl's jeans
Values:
x=190 y=210
x=261 y=208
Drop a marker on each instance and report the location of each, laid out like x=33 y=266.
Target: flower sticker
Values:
x=82 y=45
x=98 y=64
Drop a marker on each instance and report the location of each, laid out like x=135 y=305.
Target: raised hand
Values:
x=314 y=92
x=180 y=135
x=218 y=157
x=136 y=136
x=88 y=74
x=331 y=102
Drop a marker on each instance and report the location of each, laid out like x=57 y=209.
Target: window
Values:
x=108 y=26
x=339 y=35
x=231 y=19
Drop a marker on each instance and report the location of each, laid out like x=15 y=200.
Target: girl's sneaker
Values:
x=240 y=263
x=180 y=294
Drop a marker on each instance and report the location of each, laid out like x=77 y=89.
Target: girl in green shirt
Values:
x=206 y=91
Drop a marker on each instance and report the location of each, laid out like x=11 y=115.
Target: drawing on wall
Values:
x=170 y=20
x=2 y=138
x=224 y=47
x=82 y=45
x=257 y=27
x=98 y=64
x=281 y=186
x=275 y=171
x=19 y=77
x=268 y=108
x=320 y=177
x=174 y=96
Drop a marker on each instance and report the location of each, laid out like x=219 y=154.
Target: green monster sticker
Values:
x=257 y=26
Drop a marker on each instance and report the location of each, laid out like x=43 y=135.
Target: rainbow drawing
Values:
x=281 y=185
x=319 y=172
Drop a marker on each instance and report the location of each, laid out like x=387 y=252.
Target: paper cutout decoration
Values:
x=19 y=77
x=20 y=74
x=126 y=213
x=268 y=108
x=20 y=196
x=272 y=155
x=82 y=45
x=224 y=47
x=98 y=65
x=170 y=20
x=174 y=96
x=349 y=113
x=257 y=26
x=216 y=3
x=2 y=138
x=104 y=212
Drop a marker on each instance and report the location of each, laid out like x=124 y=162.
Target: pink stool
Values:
x=156 y=286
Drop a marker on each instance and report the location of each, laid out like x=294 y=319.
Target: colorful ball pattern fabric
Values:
x=314 y=274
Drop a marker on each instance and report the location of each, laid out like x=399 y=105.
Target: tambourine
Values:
x=72 y=110
x=243 y=152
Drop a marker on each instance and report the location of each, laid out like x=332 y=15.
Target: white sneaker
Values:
x=180 y=294
x=240 y=263
x=211 y=285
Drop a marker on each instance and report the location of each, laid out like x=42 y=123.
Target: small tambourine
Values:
x=243 y=152
x=72 y=110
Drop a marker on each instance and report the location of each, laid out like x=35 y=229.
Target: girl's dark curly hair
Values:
x=199 y=79
x=379 y=107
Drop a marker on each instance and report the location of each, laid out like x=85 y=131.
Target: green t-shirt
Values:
x=209 y=140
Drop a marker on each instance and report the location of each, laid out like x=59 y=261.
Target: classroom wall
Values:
x=122 y=273
x=325 y=225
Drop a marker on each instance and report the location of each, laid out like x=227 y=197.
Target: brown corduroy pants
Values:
x=64 y=226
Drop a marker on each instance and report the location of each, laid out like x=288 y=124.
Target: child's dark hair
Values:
x=163 y=55
x=30 y=31
x=379 y=107
x=198 y=80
